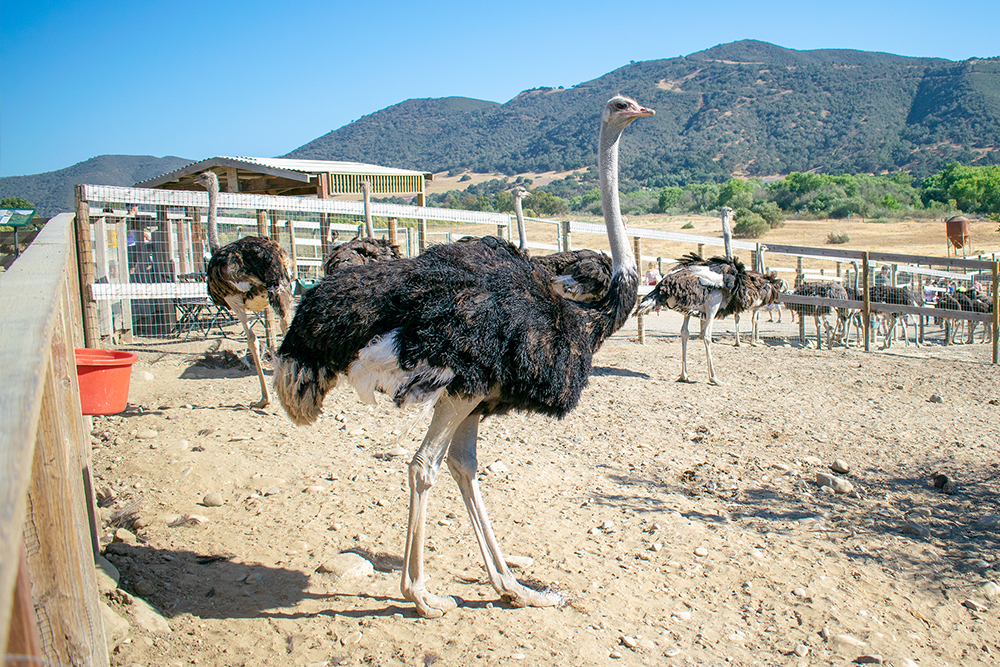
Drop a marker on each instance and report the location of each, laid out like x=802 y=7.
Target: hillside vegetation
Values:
x=746 y=108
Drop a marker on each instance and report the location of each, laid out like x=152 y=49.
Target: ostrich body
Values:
x=826 y=290
x=472 y=329
x=765 y=290
x=898 y=296
x=359 y=251
x=580 y=275
x=246 y=276
x=846 y=316
x=701 y=288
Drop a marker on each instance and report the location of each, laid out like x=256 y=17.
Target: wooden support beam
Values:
x=866 y=299
x=637 y=249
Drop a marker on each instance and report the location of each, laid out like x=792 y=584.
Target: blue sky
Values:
x=199 y=79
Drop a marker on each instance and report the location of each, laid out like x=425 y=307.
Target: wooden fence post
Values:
x=866 y=299
x=798 y=281
x=640 y=323
x=996 y=311
x=85 y=265
x=262 y=224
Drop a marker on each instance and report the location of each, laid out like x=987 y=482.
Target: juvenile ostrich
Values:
x=898 y=296
x=358 y=251
x=245 y=276
x=826 y=290
x=472 y=329
x=702 y=288
x=580 y=275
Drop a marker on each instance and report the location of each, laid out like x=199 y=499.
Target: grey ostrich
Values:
x=823 y=289
x=702 y=288
x=363 y=250
x=471 y=328
x=897 y=296
x=246 y=276
x=580 y=275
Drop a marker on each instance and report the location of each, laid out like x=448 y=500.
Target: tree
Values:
x=546 y=204
x=736 y=193
x=668 y=198
x=15 y=202
x=749 y=225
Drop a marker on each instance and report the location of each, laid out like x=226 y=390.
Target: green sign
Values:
x=16 y=217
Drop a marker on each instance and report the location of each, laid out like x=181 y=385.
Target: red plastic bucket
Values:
x=104 y=376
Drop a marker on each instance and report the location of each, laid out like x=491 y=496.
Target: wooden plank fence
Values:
x=49 y=611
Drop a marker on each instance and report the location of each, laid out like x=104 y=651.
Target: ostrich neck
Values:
x=522 y=235
x=727 y=236
x=369 y=226
x=621 y=255
x=213 y=225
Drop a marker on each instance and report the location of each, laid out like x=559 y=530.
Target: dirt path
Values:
x=683 y=522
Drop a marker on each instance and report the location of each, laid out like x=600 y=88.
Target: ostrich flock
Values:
x=477 y=328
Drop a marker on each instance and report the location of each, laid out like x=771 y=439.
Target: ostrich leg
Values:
x=684 y=350
x=712 y=307
x=236 y=305
x=463 y=465
x=449 y=413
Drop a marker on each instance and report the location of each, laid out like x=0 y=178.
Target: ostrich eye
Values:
x=620 y=105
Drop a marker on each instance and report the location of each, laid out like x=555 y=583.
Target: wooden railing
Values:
x=49 y=610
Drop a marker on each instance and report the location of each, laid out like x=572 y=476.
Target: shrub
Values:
x=750 y=225
x=688 y=226
x=837 y=238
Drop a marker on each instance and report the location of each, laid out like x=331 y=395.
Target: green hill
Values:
x=746 y=108
x=52 y=191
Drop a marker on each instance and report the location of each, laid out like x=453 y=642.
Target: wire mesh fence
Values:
x=150 y=250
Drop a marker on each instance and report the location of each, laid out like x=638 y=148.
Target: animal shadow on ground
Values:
x=937 y=533
x=218 y=364
x=609 y=371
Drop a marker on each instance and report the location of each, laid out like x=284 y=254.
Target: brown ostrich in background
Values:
x=246 y=276
x=364 y=250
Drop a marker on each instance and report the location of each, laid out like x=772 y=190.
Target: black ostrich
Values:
x=972 y=301
x=826 y=290
x=946 y=301
x=848 y=316
x=706 y=289
x=899 y=296
x=472 y=329
x=246 y=276
x=580 y=275
x=364 y=250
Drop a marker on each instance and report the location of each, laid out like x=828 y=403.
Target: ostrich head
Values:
x=207 y=180
x=621 y=110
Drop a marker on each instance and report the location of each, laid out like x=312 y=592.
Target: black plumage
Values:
x=580 y=275
x=246 y=276
x=472 y=328
x=826 y=290
x=358 y=252
x=707 y=289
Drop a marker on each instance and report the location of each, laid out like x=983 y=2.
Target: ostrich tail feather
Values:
x=301 y=390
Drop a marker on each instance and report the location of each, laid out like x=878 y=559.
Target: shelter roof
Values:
x=285 y=176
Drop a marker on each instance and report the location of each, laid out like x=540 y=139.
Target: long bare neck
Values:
x=727 y=233
x=213 y=207
x=607 y=160
x=521 y=233
x=366 y=192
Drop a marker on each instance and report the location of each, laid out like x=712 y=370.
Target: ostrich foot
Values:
x=522 y=596
x=430 y=605
x=717 y=382
x=261 y=404
x=685 y=378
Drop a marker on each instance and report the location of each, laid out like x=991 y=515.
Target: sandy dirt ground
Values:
x=683 y=523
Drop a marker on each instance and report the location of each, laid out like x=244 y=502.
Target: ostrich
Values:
x=900 y=296
x=580 y=275
x=826 y=290
x=765 y=289
x=702 y=288
x=973 y=302
x=366 y=250
x=846 y=316
x=245 y=276
x=472 y=329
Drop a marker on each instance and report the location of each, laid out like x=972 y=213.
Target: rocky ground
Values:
x=684 y=523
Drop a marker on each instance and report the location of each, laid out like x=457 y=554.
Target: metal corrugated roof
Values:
x=283 y=176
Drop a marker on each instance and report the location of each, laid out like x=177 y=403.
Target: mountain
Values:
x=52 y=191
x=748 y=108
